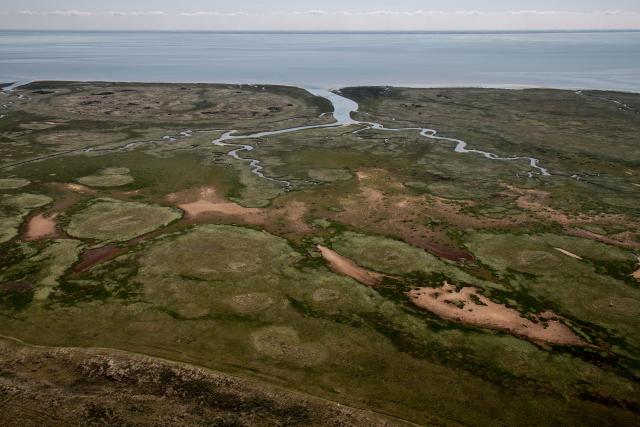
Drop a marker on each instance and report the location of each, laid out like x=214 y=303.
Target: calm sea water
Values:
x=602 y=60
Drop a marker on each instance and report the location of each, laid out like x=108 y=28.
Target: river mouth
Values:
x=343 y=110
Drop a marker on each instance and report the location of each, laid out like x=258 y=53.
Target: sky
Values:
x=319 y=15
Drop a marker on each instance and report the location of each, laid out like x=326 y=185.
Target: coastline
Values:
x=333 y=87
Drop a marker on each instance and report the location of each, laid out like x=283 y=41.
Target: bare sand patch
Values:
x=41 y=226
x=345 y=266
x=372 y=195
x=200 y=207
x=470 y=307
x=362 y=175
x=636 y=274
x=567 y=253
x=79 y=188
x=207 y=201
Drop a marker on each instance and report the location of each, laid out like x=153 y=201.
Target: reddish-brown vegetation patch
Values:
x=538 y=201
x=17 y=286
x=93 y=257
x=470 y=307
x=384 y=206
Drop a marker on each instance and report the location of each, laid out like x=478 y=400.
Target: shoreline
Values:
x=333 y=88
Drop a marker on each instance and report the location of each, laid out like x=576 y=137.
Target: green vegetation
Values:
x=111 y=220
x=109 y=177
x=27 y=201
x=13 y=183
x=240 y=287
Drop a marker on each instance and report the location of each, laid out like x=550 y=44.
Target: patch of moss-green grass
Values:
x=111 y=220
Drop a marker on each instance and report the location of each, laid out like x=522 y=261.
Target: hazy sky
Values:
x=320 y=14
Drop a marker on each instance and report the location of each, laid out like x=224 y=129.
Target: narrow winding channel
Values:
x=342 y=109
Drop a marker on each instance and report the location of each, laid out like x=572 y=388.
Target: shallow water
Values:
x=602 y=60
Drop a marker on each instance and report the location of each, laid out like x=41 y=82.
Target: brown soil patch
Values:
x=206 y=203
x=470 y=307
x=372 y=196
x=294 y=213
x=200 y=207
x=345 y=266
x=41 y=226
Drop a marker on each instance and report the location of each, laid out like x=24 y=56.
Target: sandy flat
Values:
x=567 y=253
x=207 y=201
x=470 y=307
x=347 y=267
x=78 y=188
x=200 y=207
x=41 y=226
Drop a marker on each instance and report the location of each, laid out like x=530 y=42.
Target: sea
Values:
x=576 y=60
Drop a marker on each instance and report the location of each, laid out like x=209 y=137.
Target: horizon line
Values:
x=453 y=31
